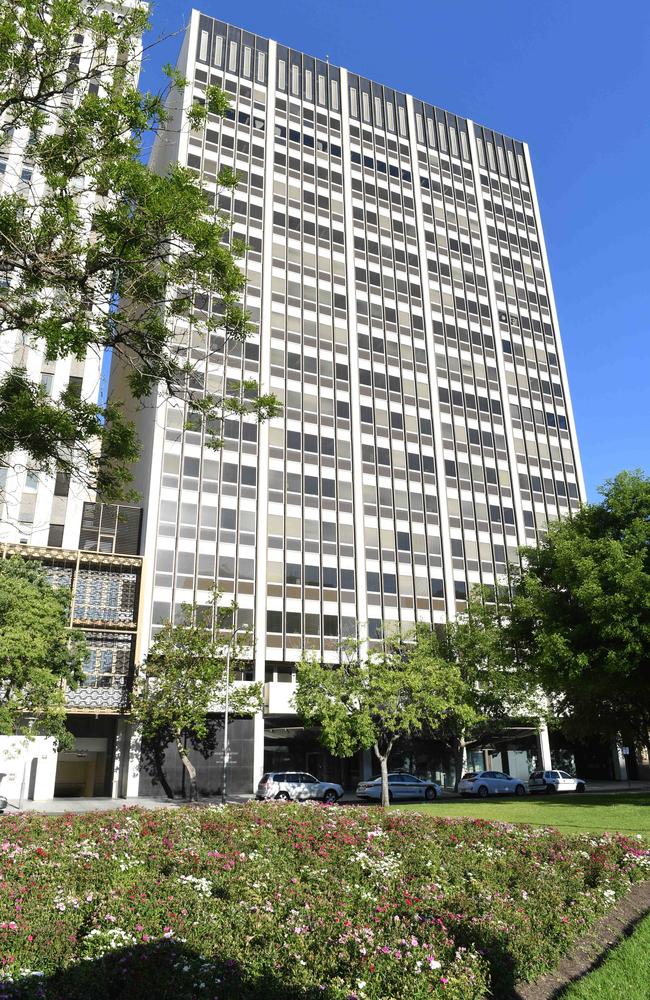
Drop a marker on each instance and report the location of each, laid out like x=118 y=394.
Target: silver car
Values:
x=555 y=781
x=297 y=786
x=400 y=786
x=484 y=783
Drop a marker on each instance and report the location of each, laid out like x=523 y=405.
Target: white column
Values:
x=556 y=329
x=619 y=761
x=441 y=484
x=498 y=346
x=126 y=765
x=131 y=771
x=258 y=748
x=353 y=367
x=544 y=747
x=263 y=438
x=121 y=752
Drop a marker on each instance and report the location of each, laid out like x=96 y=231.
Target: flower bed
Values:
x=278 y=902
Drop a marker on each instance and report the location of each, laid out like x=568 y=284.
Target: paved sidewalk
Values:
x=56 y=806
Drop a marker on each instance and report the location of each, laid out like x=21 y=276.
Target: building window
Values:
x=374 y=628
x=62 y=484
x=55 y=536
x=261 y=67
x=403 y=541
x=274 y=621
x=232 y=57
x=248 y=56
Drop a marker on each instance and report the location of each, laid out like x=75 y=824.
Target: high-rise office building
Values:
x=404 y=313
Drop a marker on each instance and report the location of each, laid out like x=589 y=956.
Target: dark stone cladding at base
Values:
x=209 y=769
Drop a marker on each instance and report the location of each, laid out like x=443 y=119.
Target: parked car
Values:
x=555 y=781
x=297 y=786
x=484 y=783
x=3 y=798
x=400 y=786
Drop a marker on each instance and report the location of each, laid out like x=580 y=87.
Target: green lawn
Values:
x=615 y=813
x=625 y=973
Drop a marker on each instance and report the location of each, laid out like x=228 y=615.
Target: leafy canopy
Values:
x=39 y=653
x=498 y=685
x=374 y=700
x=183 y=677
x=582 y=611
x=98 y=252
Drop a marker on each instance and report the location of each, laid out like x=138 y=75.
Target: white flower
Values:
x=201 y=885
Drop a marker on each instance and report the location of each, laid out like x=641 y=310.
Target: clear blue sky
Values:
x=570 y=77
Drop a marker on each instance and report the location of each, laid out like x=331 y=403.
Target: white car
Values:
x=400 y=786
x=297 y=786
x=484 y=783
x=555 y=781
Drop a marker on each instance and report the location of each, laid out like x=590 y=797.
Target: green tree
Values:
x=39 y=653
x=372 y=701
x=582 y=612
x=183 y=679
x=97 y=252
x=497 y=683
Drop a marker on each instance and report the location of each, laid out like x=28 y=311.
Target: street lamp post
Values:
x=225 y=714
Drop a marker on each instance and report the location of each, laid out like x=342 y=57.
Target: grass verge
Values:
x=625 y=973
x=615 y=813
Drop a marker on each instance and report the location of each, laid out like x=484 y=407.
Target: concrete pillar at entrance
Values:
x=619 y=762
x=544 y=747
x=258 y=749
x=126 y=768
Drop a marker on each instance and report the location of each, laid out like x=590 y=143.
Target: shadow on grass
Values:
x=585 y=801
x=574 y=971
x=161 y=970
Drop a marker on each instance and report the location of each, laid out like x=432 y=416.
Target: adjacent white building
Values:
x=92 y=549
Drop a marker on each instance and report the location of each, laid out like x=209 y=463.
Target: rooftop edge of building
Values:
x=362 y=79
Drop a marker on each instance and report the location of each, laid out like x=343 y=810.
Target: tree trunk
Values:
x=158 y=761
x=189 y=767
x=460 y=760
x=383 y=763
